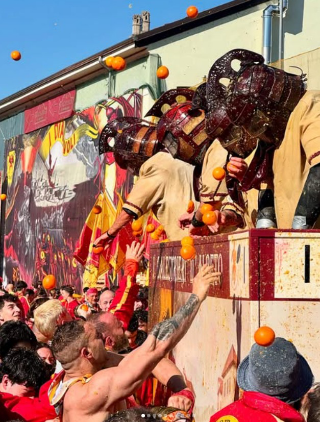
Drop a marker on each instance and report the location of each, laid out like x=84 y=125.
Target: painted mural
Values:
x=54 y=176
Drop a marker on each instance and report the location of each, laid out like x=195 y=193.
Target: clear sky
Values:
x=52 y=35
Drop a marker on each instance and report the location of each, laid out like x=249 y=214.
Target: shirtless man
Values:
x=80 y=349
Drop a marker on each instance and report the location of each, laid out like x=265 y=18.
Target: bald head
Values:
x=111 y=330
x=106 y=299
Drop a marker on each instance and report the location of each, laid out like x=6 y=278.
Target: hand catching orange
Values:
x=97 y=249
x=231 y=168
x=264 y=336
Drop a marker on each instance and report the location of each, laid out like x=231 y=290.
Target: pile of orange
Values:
x=116 y=63
x=162 y=72
x=264 y=336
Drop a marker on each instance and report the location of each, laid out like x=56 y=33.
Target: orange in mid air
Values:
x=187 y=240
x=162 y=72
x=136 y=225
x=192 y=12
x=49 y=282
x=3 y=196
x=97 y=249
x=190 y=207
x=188 y=252
x=97 y=209
x=209 y=218
x=150 y=228
x=264 y=336
x=118 y=63
x=219 y=173
x=16 y=55
x=108 y=61
x=206 y=208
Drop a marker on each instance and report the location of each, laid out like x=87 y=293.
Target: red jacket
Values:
x=70 y=307
x=36 y=409
x=123 y=302
x=258 y=407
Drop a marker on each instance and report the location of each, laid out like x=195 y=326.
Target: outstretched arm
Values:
x=117 y=383
x=163 y=338
x=107 y=237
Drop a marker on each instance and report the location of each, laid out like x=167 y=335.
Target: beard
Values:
x=120 y=343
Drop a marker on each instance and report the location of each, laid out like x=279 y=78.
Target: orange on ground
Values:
x=264 y=336
x=97 y=209
x=136 y=225
x=97 y=249
x=108 y=61
x=150 y=228
x=3 y=196
x=187 y=240
x=49 y=282
x=206 y=208
x=16 y=55
x=192 y=12
x=190 y=207
x=231 y=168
x=118 y=63
x=154 y=236
x=137 y=233
x=162 y=72
x=209 y=218
x=187 y=252
x=219 y=173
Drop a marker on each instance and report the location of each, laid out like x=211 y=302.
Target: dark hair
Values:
x=142 y=315
x=30 y=292
x=34 y=305
x=42 y=292
x=50 y=367
x=314 y=404
x=21 y=285
x=13 y=332
x=7 y=297
x=85 y=289
x=133 y=324
x=67 y=289
x=105 y=289
x=24 y=367
x=136 y=414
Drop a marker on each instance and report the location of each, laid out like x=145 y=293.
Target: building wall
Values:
x=190 y=55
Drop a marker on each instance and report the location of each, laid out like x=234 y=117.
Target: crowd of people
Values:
x=70 y=357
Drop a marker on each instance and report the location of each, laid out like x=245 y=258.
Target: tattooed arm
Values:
x=122 y=381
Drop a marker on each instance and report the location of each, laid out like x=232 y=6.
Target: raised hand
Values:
x=135 y=251
x=202 y=281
